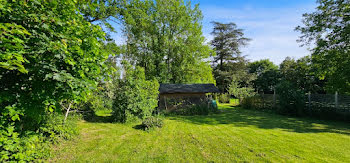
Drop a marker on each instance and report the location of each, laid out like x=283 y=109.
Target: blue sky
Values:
x=269 y=23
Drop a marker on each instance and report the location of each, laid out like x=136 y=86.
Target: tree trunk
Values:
x=65 y=118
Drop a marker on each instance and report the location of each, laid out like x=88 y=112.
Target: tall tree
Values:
x=228 y=39
x=165 y=38
x=228 y=62
x=329 y=28
x=267 y=75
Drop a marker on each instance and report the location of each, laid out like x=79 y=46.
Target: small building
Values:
x=174 y=96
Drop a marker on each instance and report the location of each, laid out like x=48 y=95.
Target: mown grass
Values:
x=232 y=135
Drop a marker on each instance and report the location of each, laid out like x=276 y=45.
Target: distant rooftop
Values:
x=188 y=88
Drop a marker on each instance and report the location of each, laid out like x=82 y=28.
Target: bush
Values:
x=152 y=122
x=197 y=109
x=25 y=146
x=251 y=102
x=224 y=98
x=22 y=148
x=291 y=99
x=55 y=128
x=136 y=97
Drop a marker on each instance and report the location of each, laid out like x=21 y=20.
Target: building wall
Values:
x=175 y=101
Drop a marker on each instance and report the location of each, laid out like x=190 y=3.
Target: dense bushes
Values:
x=252 y=102
x=136 y=97
x=49 y=54
x=291 y=99
x=24 y=145
x=196 y=109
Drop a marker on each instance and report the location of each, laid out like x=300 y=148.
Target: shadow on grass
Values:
x=98 y=118
x=242 y=117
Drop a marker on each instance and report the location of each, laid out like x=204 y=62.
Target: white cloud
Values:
x=271 y=29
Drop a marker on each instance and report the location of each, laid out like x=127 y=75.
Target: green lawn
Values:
x=233 y=135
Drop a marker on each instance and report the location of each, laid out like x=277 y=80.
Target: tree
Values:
x=227 y=42
x=229 y=62
x=301 y=73
x=165 y=38
x=60 y=53
x=267 y=75
x=329 y=28
x=136 y=97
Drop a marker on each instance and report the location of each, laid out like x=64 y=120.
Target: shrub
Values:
x=136 y=97
x=55 y=128
x=251 y=102
x=16 y=146
x=197 y=109
x=224 y=98
x=291 y=99
x=152 y=122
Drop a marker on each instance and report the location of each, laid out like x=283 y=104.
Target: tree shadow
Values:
x=98 y=119
x=243 y=118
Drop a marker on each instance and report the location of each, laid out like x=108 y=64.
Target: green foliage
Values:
x=63 y=54
x=291 y=99
x=24 y=148
x=55 y=128
x=240 y=91
x=228 y=39
x=197 y=109
x=15 y=146
x=152 y=122
x=12 y=38
x=267 y=75
x=136 y=97
x=227 y=42
x=328 y=27
x=251 y=102
x=49 y=54
x=302 y=73
x=224 y=98
x=165 y=38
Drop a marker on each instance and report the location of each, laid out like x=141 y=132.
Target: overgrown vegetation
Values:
x=291 y=99
x=136 y=97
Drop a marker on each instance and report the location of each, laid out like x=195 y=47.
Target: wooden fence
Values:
x=315 y=104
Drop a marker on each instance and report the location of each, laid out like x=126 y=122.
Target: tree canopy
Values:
x=267 y=75
x=228 y=62
x=165 y=38
x=329 y=28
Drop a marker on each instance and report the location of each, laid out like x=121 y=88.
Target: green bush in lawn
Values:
x=152 y=122
x=135 y=97
x=291 y=99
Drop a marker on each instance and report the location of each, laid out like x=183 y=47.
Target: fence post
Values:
x=336 y=100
